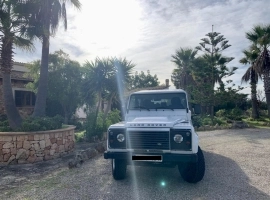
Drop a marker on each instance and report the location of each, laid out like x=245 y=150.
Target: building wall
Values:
x=18 y=81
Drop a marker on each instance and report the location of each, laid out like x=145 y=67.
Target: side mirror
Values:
x=197 y=109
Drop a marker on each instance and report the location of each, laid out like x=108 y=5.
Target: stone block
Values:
x=47 y=142
x=66 y=146
x=31 y=153
x=36 y=137
x=26 y=144
x=48 y=157
x=7 y=138
x=8 y=145
x=13 y=151
x=59 y=142
x=14 y=138
x=5 y=151
x=40 y=154
x=36 y=146
x=22 y=161
x=26 y=137
x=54 y=146
x=47 y=152
x=61 y=148
x=6 y=157
x=21 y=154
x=20 y=138
x=42 y=144
x=48 y=148
x=52 y=151
x=19 y=144
x=1 y=146
x=47 y=136
x=1 y=158
x=32 y=159
x=11 y=159
x=39 y=159
x=41 y=137
x=53 y=140
x=52 y=135
x=31 y=137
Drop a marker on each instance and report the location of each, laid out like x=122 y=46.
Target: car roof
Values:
x=159 y=91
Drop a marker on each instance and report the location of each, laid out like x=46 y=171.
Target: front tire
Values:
x=119 y=168
x=193 y=172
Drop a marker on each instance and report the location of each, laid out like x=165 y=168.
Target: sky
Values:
x=148 y=32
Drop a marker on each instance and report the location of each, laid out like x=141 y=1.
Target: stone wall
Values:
x=30 y=147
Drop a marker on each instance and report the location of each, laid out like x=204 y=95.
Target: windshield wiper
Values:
x=141 y=107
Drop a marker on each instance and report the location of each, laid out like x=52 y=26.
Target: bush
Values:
x=101 y=126
x=41 y=123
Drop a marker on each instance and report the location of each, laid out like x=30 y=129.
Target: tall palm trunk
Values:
x=40 y=105
x=266 y=78
x=13 y=115
x=253 y=85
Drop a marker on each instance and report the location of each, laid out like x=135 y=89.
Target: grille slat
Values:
x=148 y=140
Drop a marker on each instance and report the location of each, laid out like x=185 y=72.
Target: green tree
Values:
x=11 y=27
x=251 y=76
x=182 y=76
x=44 y=17
x=142 y=80
x=213 y=46
x=65 y=77
x=260 y=37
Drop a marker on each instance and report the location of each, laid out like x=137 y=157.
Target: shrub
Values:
x=41 y=123
x=101 y=126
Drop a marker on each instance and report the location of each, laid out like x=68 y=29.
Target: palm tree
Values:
x=97 y=79
x=260 y=37
x=252 y=76
x=181 y=76
x=44 y=16
x=11 y=26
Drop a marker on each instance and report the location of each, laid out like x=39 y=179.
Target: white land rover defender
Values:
x=157 y=131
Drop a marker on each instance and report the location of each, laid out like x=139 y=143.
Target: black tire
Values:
x=119 y=168
x=193 y=172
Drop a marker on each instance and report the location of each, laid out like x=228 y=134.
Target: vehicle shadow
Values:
x=223 y=179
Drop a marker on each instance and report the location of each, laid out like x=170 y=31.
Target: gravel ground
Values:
x=237 y=167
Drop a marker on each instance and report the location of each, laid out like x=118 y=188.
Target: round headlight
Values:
x=120 y=137
x=178 y=138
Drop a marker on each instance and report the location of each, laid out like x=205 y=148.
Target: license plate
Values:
x=148 y=158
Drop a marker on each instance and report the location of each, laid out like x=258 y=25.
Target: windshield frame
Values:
x=157 y=101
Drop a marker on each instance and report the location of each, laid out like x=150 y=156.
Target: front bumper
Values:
x=166 y=157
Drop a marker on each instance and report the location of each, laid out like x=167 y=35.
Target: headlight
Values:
x=178 y=138
x=120 y=137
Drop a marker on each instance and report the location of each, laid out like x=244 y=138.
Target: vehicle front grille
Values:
x=148 y=140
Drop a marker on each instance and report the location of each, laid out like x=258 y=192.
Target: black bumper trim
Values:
x=166 y=157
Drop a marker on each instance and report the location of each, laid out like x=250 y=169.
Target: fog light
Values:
x=120 y=137
x=178 y=138
x=188 y=134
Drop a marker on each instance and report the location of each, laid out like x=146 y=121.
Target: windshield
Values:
x=158 y=101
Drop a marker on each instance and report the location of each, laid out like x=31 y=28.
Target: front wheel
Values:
x=193 y=172
x=119 y=168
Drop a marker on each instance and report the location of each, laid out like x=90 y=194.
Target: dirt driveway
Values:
x=237 y=167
